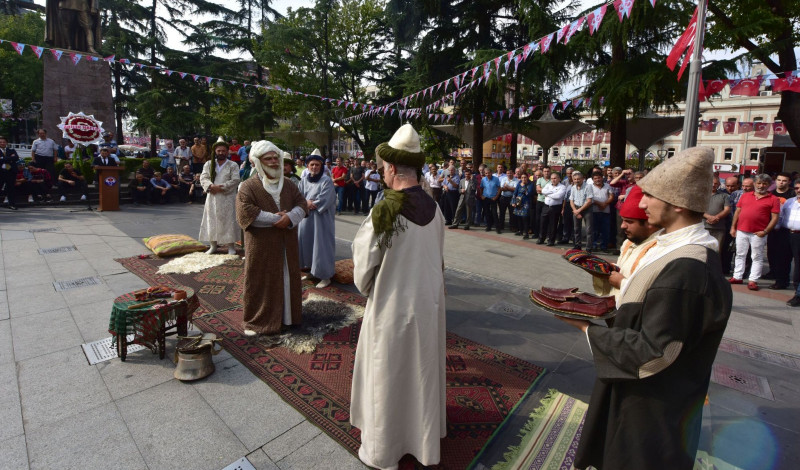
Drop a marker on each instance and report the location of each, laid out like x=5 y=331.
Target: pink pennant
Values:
x=552 y=106
x=507 y=64
x=517 y=60
x=574 y=27
x=623 y=8
x=653 y=3
x=562 y=32
x=18 y=46
x=457 y=81
x=530 y=109
x=195 y=77
x=141 y=66
x=596 y=19
x=56 y=53
x=168 y=72
x=75 y=57
x=208 y=80
x=565 y=104
x=446 y=84
x=545 y=43
x=109 y=58
x=474 y=71
x=182 y=74
x=502 y=114
x=38 y=51
x=486 y=68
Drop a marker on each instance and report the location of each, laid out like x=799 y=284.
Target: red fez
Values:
x=630 y=208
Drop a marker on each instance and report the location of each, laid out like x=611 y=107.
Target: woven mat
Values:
x=483 y=385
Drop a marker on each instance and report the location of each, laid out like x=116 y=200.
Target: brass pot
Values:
x=194 y=358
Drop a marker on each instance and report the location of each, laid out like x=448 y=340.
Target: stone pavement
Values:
x=60 y=412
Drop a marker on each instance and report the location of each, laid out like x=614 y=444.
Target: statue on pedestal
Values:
x=73 y=24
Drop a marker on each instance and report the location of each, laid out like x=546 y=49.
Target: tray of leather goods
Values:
x=571 y=303
x=590 y=263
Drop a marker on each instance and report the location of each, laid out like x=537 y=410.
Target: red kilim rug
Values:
x=483 y=384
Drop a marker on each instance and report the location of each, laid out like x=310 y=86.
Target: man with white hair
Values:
x=755 y=217
x=269 y=209
x=398 y=265
x=317 y=232
x=220 y=178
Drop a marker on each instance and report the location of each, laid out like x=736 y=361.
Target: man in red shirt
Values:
x=233 y=151
x=339 y=173
x=756 y=215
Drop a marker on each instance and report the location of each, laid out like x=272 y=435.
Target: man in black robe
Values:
x=654 y=361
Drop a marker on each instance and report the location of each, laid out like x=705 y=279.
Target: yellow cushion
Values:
x=173 y=244
x=343 y=273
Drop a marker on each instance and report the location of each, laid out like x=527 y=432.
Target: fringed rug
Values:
x=483 y=385
x=194 y=263
x=550 y=438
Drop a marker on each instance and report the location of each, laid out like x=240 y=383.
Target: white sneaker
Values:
x=83 y=198
x=323 y=283
x=63 y=198
x=30 y=199
x=231 y=250
x=250 y=333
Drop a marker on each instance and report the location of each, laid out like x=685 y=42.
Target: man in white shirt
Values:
x=44 y=152
x=554 y=193
x=508 y=183
x=373 y=184
x=602 y=198
x=183 y=154
x=580 y=201
x=790 y=220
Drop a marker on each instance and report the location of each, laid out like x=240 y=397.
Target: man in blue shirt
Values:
x=109 y=143
x=490 y=185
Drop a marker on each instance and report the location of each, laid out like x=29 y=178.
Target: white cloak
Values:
x=398 y=396
x=317 y=233
x=219 y=214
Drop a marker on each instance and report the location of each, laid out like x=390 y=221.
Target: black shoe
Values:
x=12 y=207
x=794 y=302
x=466 y=227
x=518 y=234
x=551 y=244
x=499 y=232
x=777 y=286
x=577 y=247
x=563 y=242
x=488 y=229
x=452 y=227
x=540 y=242
x=525 y=237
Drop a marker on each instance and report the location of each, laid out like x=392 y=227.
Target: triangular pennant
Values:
x=94 y=58
x=182 y=74
x=578 y=103
x=75 y=57
x=517 y=60
x=653 y=3
x=168 y=72
x=596 y=19
x=56 y=53
x=502 y=114
x=552 y=107
x=574 y=27
x=195 y=77
x=545 y=42
x=18 y=46
x=507 y=64
x=208 y=80
x=38 y=51
x=530 y=109
x=141 y=66
x=565 y=104
x=562 y=32
x=109 y=58
x=623 y=8
x=124 y=61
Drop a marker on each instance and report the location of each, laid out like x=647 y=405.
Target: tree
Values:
x=21 y=77
x=768 y=31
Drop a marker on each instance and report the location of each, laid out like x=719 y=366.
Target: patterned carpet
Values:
x=483 y=385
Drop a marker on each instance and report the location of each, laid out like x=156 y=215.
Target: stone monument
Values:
x=74 y=27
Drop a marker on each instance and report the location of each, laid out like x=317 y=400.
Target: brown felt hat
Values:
x=683 y=180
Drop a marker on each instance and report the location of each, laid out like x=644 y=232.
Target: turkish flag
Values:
x=790 y=83
x=779 y=128
x=728 y=127
x=745 y=127
x=683 y=43
x=715 y=86
x=745 y=87
x=762 y=130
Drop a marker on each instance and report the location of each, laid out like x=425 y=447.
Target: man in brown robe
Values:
x=269 y=211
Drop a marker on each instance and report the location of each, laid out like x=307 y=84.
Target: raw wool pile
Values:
x=194 y=263
x=320 y=317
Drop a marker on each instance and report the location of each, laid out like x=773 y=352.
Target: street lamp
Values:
x=338 y=113
x=662 y=154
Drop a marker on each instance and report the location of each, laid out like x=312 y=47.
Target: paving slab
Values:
x=14 y=454
x=58 y=385
x=173 y=426
x=11 y=235
x=97 y=438
x=34 y=299
x=244 y=402
x=290 y=441
x=140 y=371
x=6 y=343
x=92 y=319
x=66 y=270
x=4 y=311
x=319 y=453
x=87 y=295
x=259 y=459
x=124 y=282
x=44 y=333
x=10 y=411
x=30 y=275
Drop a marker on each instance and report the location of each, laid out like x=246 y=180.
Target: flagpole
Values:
x=689 y=135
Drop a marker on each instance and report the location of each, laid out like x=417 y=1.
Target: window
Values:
x=604 y=152
x=758 y=119
x=670 y=152
x=539 y=151
x=728 y=154
x=555 y=151
x=494 y=147
x=587 y=151
x=754 y=154
x=575 y=151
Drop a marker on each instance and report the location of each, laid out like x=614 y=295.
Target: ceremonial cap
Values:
x=220 y=141
x=683 y=180
x=630 y=208
x=402 y=149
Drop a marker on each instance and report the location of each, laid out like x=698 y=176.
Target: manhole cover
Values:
x=60 y=249
x=76 y=283
x=741 y=381
x=38 y=230
x=241 y=464
x=763 y=355
x=509 y=310
x=101 y=350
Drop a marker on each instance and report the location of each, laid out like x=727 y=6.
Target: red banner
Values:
x=728 y=127
x=779 y=128
x=762 y=130
x=686 y=39
x=745 y=127
x=745 y=87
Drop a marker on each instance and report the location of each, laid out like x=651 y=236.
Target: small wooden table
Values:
x=150 y=325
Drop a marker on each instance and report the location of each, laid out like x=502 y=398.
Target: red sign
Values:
x=81 y=129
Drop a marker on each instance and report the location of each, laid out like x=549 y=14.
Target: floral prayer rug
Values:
x=483 y=385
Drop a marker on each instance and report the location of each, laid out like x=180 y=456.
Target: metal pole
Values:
x=689 y=135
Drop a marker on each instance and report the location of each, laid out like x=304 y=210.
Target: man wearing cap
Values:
x=220 y=178
x=654 y=362
x=640 y=236
x=317 y=234
x=269 y=209
x=398 y=265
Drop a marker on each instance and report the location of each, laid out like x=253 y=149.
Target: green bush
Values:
x=133 y=164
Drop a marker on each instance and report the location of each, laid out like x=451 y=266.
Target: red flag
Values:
x=623 y=8
x=745 y=87
x=779 y=128
x=686 y=39
x=545 y=44
x=762 y=130
x=728 y=127
x=745 y=127
x=562 y=32
x=596 y=18
x=714 y=86
x=686 y=60
x=790 y=83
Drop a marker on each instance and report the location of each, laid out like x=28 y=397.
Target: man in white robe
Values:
x=398 y=395
x=220 y=180
x=317 y=235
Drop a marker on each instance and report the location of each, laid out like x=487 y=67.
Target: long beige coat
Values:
x=219 y=218
x=398 y=396
x=268 y=251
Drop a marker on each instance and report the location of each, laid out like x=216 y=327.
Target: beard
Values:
x=761 y=191
x=272 y=173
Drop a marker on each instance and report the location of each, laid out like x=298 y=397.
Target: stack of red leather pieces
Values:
x=573 y=302
x=589 y=262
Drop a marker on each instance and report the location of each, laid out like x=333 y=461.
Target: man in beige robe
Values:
x=219 y=179
x=398 y=395
x=269 y=210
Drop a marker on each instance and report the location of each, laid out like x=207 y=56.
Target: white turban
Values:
x=272 y=186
